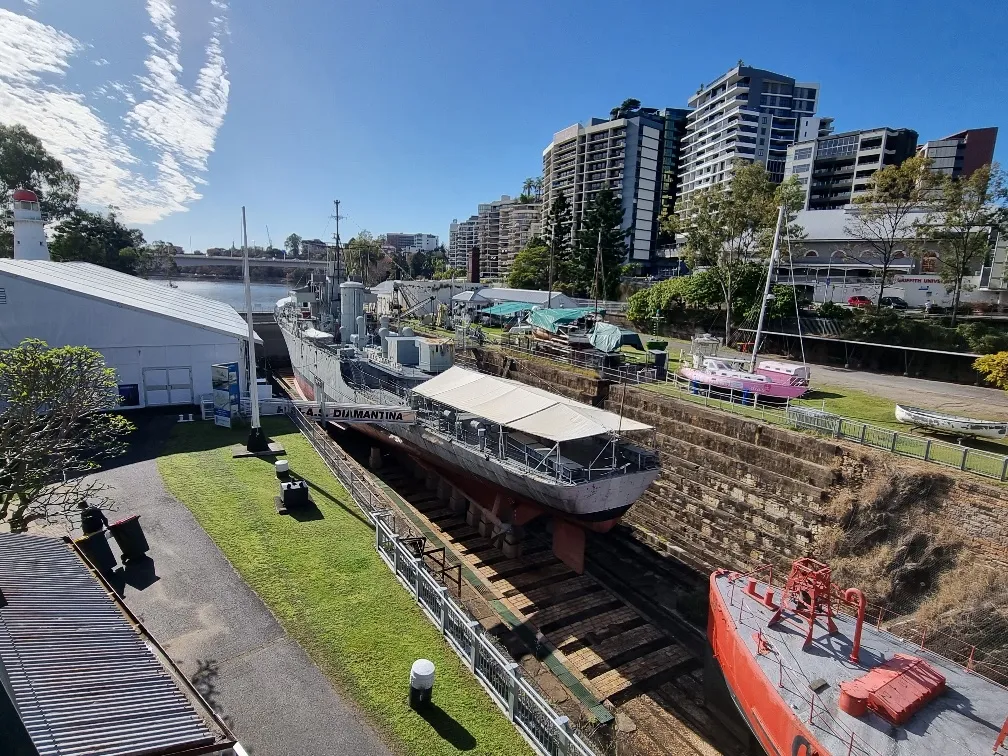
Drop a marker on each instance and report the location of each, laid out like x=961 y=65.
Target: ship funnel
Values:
x=351 y=306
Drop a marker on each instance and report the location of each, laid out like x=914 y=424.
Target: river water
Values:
x=264 y=296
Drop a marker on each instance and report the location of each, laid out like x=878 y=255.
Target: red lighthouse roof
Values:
x=24 y=195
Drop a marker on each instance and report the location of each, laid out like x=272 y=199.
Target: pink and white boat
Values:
x=782 y=380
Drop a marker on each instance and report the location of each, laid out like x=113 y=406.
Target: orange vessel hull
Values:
x=772 y=721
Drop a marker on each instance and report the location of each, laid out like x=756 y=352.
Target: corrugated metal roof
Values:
x=129 y=291
x=83 y=679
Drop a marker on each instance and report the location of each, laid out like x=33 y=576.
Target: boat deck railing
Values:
x=814 y=711
x=544 y=460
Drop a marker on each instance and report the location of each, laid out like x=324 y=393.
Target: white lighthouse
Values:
x=29 y=229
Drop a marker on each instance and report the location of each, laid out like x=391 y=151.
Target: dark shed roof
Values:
x=82 y=677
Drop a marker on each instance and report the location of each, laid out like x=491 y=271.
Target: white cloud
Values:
x=177 y=124
x=33 y=4
x=100 y=62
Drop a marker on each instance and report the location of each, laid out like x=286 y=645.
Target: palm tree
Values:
x=537 y=186
x=527 y=186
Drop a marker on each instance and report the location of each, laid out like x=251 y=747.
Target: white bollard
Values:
x=421 y=683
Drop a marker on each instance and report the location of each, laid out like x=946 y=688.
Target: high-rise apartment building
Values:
x=488 y=229
x=519 y=222
x=673 y=132
x=962 y=153
x=834 y=169
x=405 y=243
x=500 y=229
x=747 y=114
x=621 y=153
x=462 y=237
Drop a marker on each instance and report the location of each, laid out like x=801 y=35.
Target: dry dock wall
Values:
x=737 y=493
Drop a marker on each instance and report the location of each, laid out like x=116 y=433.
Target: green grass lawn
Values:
x=326 y=584
x=854 y=405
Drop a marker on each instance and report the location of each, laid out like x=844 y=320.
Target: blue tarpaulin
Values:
x=504 y=309
x=607 y=337
x=551 y=320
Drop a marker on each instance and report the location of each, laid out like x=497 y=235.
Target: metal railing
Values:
x=803 y=415
x=550 y=733
x=814 y=709
x=975 y=461
x=548 y=464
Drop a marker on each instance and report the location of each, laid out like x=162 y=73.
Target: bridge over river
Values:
x=194 y=261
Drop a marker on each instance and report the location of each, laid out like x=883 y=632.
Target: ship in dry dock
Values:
x=519 y=452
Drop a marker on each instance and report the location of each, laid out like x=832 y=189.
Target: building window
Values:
x=929 y=263
x=802 y=168
x=129 y=395
x=762 y=140
x=811 y=254
x=759 y=153
x=803 y=154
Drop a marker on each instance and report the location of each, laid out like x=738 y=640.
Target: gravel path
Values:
x=218 y=630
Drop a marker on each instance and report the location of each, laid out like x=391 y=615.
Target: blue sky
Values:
x=179 y=112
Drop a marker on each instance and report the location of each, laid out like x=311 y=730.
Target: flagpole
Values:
x=257 y=441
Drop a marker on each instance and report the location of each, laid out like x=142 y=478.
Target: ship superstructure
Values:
x=517 y=451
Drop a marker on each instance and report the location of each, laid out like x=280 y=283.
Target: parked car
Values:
x=859 y=301
x=894 y=303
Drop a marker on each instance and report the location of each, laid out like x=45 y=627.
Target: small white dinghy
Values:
x=961 y=426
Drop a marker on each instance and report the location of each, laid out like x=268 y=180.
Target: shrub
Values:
x=994 y=367
x=984 y=339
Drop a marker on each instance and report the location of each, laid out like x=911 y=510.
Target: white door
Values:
x=168 y=385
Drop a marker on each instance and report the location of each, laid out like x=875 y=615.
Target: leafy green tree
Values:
x=293 y=245
x=530 y=268
x=625 y=109
x=668 y=226
x=557 y=230
x=601 y=230
x=964 y=212
x=158 y=259
x=54 y=425
x=883 y=220
x=362 y=255
x=100 y=239
x=730 y=227
x=994 y=368
x=421 y=265
x=26 y=164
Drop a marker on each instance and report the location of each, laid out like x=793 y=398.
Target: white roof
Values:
x=134 y=293
x=470 y=295
x=831 y=225
x=528 y=296
x=524 y=408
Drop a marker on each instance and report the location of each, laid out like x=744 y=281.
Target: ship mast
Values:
x=257 y=441
x=766 y=288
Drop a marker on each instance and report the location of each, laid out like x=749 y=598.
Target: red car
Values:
x=859 y=301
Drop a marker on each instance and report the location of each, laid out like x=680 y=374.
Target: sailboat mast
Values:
x=252 y=376
x=766 y=288
x=598 y=264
